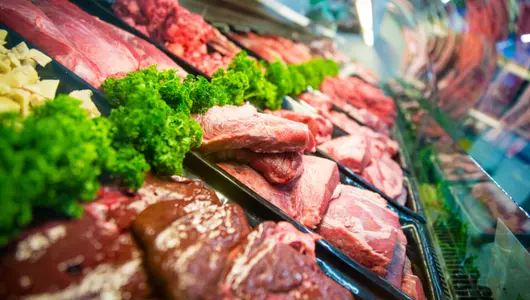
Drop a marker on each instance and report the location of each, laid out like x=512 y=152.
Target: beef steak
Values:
x=359 y=223
x=233 y=127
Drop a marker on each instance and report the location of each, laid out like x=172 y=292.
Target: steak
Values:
x=186 y=252
x=73 y=259
x=231 y=127
x=312 y=192
x=277 y=168
x=265 y=267
x=280 y=197
x=386 y=175
x=352 y=151
x=32 y=24
x=306 y=200
x=320 y=127
x=359 y=223
x=411 y=283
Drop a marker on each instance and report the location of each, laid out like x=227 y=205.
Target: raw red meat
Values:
x=352 y=151
x=186 y=252
x=386 y=175
x=411 y=283
x=312 y=192
x=306 y=200
x=359 y=223
x=91 y=37
x=265 y=267
x=232 y=127
x=275 y=195
x=322 y=103
x=30 y=22
x=361 y=95
x=277 y=168
x=73 y=259
x=319 y=126
x=272 y=47
x=150 y=55
x=180 y=31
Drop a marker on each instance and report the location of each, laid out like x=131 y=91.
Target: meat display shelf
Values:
x=68 y=80
x=418 y=249
x=102 y=9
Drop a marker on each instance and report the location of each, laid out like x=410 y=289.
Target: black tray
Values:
x=363 y=282
x=68 y=81
x=102 y=9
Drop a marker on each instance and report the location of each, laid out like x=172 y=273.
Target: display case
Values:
x=324 y=150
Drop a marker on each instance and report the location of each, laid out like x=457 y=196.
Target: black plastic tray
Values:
x=102 y=9
x=68 y=81
x=361 y=281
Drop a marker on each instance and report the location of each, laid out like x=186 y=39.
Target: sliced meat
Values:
x=232 y=127
x=320 y=127
x=277 y=168
x=386 y=175
x=359 y=223
x=352 y=151
x=278 y=196
x=265 y=267
x=411 y=283
x=186 y=254
x=37 y=28
x=312 y=192
x=320 y=102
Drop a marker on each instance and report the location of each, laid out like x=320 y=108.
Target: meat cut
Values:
x=277 y=168
x=276 y=195
x=267 y=266
x=352 y=151
x=186 y=252
x=359 y=223
x=30 y=22
x=92 y=49
x=183 y=33
x=233 y=127
x=320 y=127
x=306 y=200
x=386 y=175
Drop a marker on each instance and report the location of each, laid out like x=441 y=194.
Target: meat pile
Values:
x=320 y=127
x=364 y=151
x=356 y=221
x=92 y=49
x=183 y=33
x=171 y=240
x=354 y=92
x=273 y=47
